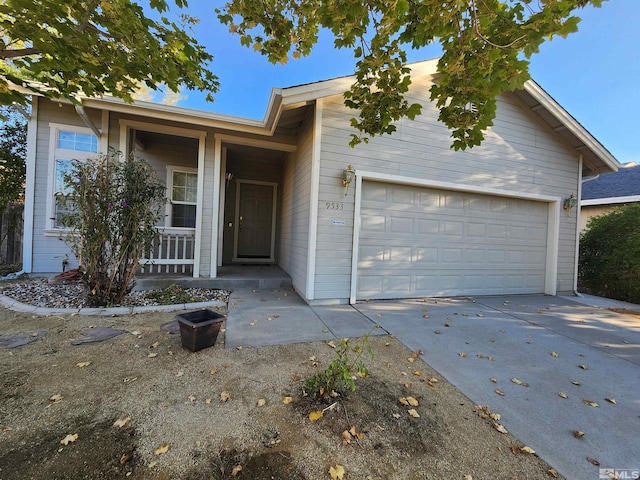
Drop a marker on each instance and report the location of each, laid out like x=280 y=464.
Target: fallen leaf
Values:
x=83 y=364
x=496 y=416
x=239 y=347
x=352 y=430
x=516 y=381
x=404 y=401
x=154 y=345
x=578 y=434
x=611 y=400
x=554 y=354
x=499 y=392
x=446 y=325
x=287 y=400
x=225 y=396
x=499 y=428
x=479 y=315
x=207 y=401
x=594 y=461
x=325 y=330
x=492 y=359
x=337 y=472
x=527 y=450
x=236 y=470
x=576 y=383
x=191 y=398
x=437 y=332
x=590 y=403
x=56 y=398
x=553 y=473
x=479 y=355
x=362 y=374
x=413 y=413
x=122 y=422
x=261 y=403
x=314 y=416
x=396 y=415
x=540 y=311
x=462 y=354
x=213 y=371
x=417 y=373
x=152 y=355
x=346 y=437
x=468 y=477
x=386 y=344
x=584 y=367
x=252 y=324
x=70 y=438
x=412 y=401
x=411 y=359
x=124 y=458
x=563 y=395
x=164 y=448
x=494 y=380
x=269 y=318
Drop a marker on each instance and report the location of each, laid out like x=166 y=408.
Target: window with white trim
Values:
x=68 y=143
x=182 y=186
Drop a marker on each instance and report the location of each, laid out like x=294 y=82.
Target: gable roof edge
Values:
x=571 y=124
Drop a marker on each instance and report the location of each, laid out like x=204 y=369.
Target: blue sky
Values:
x=594 y=73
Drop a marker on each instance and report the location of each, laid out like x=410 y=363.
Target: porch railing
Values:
x=172 y=251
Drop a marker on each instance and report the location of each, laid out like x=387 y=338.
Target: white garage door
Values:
x=417 y=241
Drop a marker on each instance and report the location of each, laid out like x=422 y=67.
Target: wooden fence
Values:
x=11 y=228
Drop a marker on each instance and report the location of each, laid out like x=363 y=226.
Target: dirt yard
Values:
x=175 y=424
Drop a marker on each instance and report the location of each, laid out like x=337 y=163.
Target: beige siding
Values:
x=586 y=213
x=293 y=251
x=518 y=154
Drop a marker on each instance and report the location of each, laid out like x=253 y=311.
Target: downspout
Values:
x=21 y=109
x=579 y=195
x=85 y=118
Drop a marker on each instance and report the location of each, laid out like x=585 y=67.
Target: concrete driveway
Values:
x=598 y=358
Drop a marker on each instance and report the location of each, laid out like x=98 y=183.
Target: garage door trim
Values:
x=553 y=218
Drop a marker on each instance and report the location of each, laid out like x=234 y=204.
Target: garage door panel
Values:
x=417 y=241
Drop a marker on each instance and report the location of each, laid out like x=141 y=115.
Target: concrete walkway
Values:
x=503 y=338
x=276 y=316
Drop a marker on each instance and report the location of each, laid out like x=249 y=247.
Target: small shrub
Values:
x=173 y=294
x=339 y=376
x=609 y=263
x=111 y=208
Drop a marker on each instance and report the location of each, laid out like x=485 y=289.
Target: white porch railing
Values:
x=172 y=251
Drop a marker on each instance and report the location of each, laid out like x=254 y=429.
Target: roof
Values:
x=615 y=187
x=285 y=105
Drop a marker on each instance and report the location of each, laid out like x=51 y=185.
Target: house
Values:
x=603 y=193
x=417 y=219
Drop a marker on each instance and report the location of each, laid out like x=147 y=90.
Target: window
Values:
x=68 y=143
x=183 y=188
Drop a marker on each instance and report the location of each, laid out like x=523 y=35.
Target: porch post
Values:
x=215 y=211
x=199 y=203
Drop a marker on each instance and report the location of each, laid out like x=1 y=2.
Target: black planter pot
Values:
x=199 y=329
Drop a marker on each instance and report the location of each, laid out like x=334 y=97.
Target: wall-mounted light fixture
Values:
x=347 y=177
x=229 y=176
x=569 y=202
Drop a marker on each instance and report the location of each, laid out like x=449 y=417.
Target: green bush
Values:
x=111 y=208
x=610 y=255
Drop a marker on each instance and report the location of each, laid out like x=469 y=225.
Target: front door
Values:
x=255 y=222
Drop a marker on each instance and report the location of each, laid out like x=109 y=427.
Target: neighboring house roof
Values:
x=284 y=101
x=622 y=186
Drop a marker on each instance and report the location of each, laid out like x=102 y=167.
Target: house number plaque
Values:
x=334 y=205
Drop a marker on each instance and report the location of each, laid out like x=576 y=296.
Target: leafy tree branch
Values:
x=486 y=46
